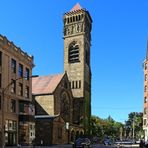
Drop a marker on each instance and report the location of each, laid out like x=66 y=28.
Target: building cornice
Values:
x=8 y=45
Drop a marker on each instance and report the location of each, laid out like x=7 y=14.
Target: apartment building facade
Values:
x=16 y=108
x=145 y=112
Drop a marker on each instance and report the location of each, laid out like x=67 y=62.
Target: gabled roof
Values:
x=76 y=7
x=45 y=84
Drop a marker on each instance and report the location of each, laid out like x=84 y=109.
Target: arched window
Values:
x=145 y=66
x=73 y=54
x=73 y=18
x=79 y=18
x=145 y=110
x=145 y=88
x=145 y=100
x=68 y=20
x=145 y=77
x=65 y=107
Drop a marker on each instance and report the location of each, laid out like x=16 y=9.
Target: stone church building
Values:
x=63 y=101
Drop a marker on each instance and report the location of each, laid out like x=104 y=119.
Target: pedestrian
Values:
x=18 y=145
x=41 y=142
x=146 y=144
x=141 y=145
x=33 y=143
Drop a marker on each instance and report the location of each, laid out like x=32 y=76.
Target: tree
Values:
x=134 y=126
x=105 y=128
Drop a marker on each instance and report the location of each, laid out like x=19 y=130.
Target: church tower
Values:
x=77 y=42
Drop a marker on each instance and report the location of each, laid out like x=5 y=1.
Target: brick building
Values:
x=145 y=112
x=65 y=99
x=16 y=108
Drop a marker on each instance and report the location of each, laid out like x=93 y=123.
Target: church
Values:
x=63 y=101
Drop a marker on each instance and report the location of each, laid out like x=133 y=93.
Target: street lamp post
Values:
x=67 y=128
x=2 y=109
x=121 y=133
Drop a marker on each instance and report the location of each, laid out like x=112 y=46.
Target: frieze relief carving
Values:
x=73 y=29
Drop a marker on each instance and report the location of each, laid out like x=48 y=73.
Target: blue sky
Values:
x=119 y=38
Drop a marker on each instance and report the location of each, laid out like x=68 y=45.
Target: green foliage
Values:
x=134 y=125
x=103 y=128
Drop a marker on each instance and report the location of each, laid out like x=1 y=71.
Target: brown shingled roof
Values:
x=76 y=7
x=45 y=84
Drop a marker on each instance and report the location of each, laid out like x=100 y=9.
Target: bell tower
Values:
x=77 y=42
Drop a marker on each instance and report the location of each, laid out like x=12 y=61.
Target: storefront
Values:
x=10 y=132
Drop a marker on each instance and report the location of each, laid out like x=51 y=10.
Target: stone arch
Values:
x=73 y=52
x=72 y=136
x=77 y=41
x=77 y=134
x=65 y=106
x=81 y=133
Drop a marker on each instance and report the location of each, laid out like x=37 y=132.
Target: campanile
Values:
x=77 y=43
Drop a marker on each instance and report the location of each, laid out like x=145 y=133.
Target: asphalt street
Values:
x=70 y=146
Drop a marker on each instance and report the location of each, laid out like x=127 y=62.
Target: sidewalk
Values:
x=52 y=146
x=128 y=146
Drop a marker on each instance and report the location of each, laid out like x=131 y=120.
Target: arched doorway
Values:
x=77 y=134
x=72 y=136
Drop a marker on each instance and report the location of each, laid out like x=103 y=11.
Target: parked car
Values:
x=82 y=143
x=118 y=142
x=107 y=142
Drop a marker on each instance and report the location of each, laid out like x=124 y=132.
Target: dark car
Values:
x=82 y=143
x=107 y=142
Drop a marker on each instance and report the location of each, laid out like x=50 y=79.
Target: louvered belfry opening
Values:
x=73 y=53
